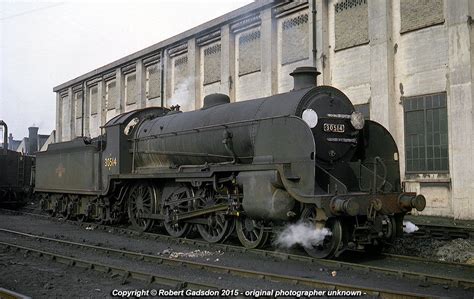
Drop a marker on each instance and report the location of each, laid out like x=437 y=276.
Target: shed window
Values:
x=94 y=99
x=130 y=89
x=426 y=134
x=110 y=94
x=78 y=104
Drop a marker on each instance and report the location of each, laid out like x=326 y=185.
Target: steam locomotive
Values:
x=16 y=174
x=247 y=167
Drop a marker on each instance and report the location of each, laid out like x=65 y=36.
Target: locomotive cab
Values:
x=120 y=131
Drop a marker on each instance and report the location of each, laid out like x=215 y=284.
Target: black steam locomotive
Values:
x=16 y=178
x=249 y=167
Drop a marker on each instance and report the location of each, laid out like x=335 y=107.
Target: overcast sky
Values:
x=46 y=43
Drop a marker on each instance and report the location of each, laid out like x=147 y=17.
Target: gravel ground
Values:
x=39 y=278
x=457 y=250
x=247 y=260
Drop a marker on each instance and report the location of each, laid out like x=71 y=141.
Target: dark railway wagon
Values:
x=16 y=178
x=249 y=167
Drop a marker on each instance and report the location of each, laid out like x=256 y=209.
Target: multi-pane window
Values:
x=131 y=89
x=110 y=94
x=94 y=101
x=78 y=103
x=153 y=81
x=426 y=133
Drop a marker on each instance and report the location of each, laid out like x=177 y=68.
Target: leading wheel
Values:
x=389 y=226
x=142 y=198
x=331 y=242
x=251 y=233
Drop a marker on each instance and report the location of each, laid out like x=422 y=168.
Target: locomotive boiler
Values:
x=247 y=167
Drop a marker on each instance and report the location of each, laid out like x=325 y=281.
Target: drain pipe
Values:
x=313 y=17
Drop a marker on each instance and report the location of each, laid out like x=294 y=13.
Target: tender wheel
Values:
x=63 y=206
x=54 y=208
x=70 y=211
x=142 y=198
x=82 y=218
x=173 y=207
x=331 y=242
x=216 y=229
x=251 y=233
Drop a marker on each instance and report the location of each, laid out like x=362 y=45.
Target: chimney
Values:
x=215 y=99
x=10 y=141
x=304 y=77
x=5 y=136
x=32 y=140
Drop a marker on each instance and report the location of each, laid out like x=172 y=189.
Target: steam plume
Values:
x=409 y=227
x=302 y=233
x=181 y=96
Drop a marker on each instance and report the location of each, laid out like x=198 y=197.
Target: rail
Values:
x=424 y=275
x=315 y=283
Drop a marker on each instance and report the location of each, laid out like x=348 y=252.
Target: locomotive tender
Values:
x=249 y=167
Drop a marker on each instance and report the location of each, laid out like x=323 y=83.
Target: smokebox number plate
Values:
x=334 y=128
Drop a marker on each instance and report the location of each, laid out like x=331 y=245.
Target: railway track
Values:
x=442 y=232
x=177 y=283
x=149 y=278
x=454 y=274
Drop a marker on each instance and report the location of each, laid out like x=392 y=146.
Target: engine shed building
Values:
x=407 y=64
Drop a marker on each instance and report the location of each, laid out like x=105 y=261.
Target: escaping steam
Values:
x=409 y=227
x=302 y=233
x=181 y=96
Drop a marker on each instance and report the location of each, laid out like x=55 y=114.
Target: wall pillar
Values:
x=141 y=84
x=228 y=62
x=59 y=126
x=382 y=100
x=268 y=50
x=87 y=111
x=120 y=105
x=194 y=70
x=322 y=41
x=168 y=72
x=101 y=109
x=460 y=106
x=71 y=114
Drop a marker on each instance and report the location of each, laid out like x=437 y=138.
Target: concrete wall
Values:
x=378 y=52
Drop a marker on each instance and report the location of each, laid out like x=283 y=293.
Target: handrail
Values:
x=224 y=126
